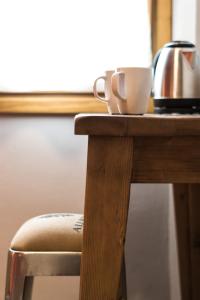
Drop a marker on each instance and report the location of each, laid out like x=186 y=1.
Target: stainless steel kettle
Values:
x=176 y=69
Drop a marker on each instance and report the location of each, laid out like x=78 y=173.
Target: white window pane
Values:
x=65 y=44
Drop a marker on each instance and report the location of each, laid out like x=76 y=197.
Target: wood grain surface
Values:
x=161 y=23
x=187 y=211
x=134 y=125
x=143 y=149
x=106 y=209
x=166 y=159
x=49 y=103
x=181 y=205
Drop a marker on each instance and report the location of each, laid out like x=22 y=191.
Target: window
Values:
x=61 y=46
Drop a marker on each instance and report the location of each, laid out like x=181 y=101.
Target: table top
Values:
x=137 y=125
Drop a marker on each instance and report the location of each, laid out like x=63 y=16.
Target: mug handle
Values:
x=96 y=94
x=114 y=85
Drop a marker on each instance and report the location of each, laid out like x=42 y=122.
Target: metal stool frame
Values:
x=22 y=267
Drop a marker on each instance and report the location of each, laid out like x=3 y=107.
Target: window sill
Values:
x=49 y=103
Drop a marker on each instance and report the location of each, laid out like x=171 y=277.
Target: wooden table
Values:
x=143 y=149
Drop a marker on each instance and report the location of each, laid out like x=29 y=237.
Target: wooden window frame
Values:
x=160 y=12
x=49 y=103
x=161 y=23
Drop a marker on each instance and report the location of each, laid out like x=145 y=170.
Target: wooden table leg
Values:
x=187 y=211
x=106 y=210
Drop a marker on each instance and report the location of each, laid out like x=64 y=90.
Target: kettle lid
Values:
x=179 y=44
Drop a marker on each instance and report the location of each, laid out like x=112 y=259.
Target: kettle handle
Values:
x=155 y=60
x=154 y=64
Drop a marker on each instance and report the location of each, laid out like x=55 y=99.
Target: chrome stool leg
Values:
x=15 y=277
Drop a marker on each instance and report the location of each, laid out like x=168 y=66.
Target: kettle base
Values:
x=180 y=106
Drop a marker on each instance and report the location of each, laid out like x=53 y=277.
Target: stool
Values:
x=47 y=245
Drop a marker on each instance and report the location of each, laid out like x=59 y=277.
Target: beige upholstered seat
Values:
x=51 y=232
x=48 y=245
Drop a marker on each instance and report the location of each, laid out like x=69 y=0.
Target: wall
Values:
x=42 y=168
x=184 y=20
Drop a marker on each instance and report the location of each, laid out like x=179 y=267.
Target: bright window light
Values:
x=63 y=45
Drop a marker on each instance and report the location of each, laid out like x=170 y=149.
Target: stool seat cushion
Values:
x=51 y=232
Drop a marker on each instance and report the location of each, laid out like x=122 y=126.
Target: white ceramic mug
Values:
x=109 y=98
x=132 y=87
